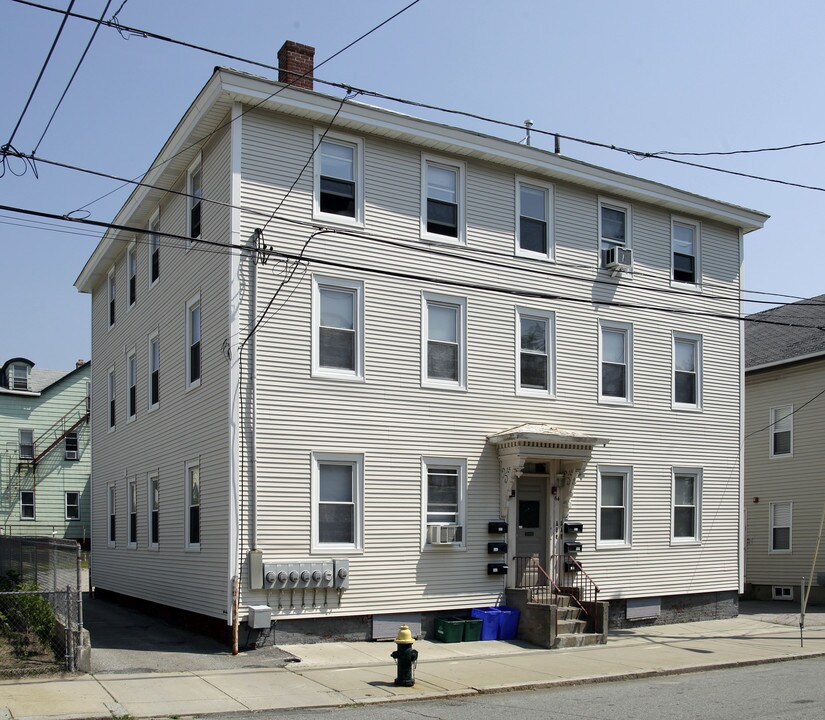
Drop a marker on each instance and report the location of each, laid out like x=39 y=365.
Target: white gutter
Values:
x=786 y=361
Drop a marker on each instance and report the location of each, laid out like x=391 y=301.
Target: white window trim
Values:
x=191 y=170
x=33 y=518
x=696 y=474
x=461 y=465
x=697 y=341
x=149 y=478
x=356 y=287
x=628 y=227
x=780 y=456
x=697 y=252
x=66 y=505
x=111 y=394
x=771 y=527
x=131 y=357
x=357 y=461
x=131 y=253
x=131 y=543
x=549 y=208
x=111 y=281
x=358 y=173
x=192 y=302
x=627 y=329
x=189 y=546
x=627 y=543
x=155 y=336
x=461 y=173
x=461 y=304
x=550 y=318
x=20 y=443
x=152 y=220
x=111 y=510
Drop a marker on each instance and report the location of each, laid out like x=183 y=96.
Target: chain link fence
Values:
x=41 y=607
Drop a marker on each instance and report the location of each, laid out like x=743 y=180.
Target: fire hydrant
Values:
x=405 y=657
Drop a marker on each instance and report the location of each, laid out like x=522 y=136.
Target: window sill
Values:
x=341 y=220
x=446 y=547
x=784 y=456
x=111 y=545
x=318 y=374
x=450 y=387
x=615 y=402
x=780 y=552
x=131 y=546
x=541 y=257
x=528 y=392
x=460 y=241
x=676 y=407
x=193 y=385
x=192 y=548
x=153 y=548
x=154 y=407
x=335 y=551
x=131 y=419
x=690 y=287
x=613 y=546
x=688 y=542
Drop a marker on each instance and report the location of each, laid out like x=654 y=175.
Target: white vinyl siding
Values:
x=338 y=328
x=535 y=356
x=781 y=431
x=781 y=527
x=337 y=502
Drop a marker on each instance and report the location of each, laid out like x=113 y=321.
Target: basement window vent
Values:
x=644 y=608
x=782 y=592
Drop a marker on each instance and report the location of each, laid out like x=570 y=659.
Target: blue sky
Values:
x=645 y=74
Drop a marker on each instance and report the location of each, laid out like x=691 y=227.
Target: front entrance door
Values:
x=531 y=521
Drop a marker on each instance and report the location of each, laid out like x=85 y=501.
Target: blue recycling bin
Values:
x=507 y=622
x=489 y=617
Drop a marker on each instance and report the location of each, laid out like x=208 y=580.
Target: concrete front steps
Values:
x=560 y=624
x=571 y=628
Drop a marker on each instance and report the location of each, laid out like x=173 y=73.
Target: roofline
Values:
x=66 y=376
x=243 y=87
x=788 y=361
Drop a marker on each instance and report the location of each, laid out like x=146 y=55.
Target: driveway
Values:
x=129 y=641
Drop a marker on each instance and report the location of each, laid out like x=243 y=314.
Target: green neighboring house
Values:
x=45 y=454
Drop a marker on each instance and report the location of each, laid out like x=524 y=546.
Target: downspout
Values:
x=741 y=495
x=253 y=394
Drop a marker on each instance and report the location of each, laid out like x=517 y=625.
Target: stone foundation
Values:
x=679 y=609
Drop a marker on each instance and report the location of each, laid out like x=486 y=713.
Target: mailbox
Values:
x=497 y=527
x=572 y=527
x=571 y=547
x=570 y=566
x=494 y=548
x=496 y=568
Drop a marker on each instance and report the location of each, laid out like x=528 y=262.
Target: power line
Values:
x=743 y=152
x=791 y=414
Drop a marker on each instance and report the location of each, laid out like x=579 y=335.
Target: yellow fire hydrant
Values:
x=405 y=657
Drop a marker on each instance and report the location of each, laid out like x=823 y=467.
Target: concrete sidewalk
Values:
x=331 y=674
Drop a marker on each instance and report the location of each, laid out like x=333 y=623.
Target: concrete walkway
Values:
x=331 y=674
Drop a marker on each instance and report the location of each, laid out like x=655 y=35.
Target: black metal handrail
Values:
x=574 y=582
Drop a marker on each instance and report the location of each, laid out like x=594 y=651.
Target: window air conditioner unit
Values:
x=71 y=454
x=619 y=258
x=444 y=534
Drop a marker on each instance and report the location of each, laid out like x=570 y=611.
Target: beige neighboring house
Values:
x=785 y=449
x=372 y=365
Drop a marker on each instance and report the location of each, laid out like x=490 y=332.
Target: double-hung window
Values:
x=685 y=239
x=534 y=352
x=614 y=227
x=442 y=211
x=111 y=512
x=687 y=493
x=687 y=376
x=193 y=506
x=534 y=211
x=337 y=502
x=193 y=342
x=25 y=444
x=339 y=194
x=338 y=328
x=444 y=347
x=154 y=249
x=154 y=371
x=781 y=516
x=19 y=376
x=131 y=512
x=614 y=516
x=616 y=363
x=72 y=505
x=131 y=386
x=131 y=271
x=154 y=510
x=112 y=398
x=194 y=192
x=111 y=295
x=71 y=448
x=782 y=431
x=444 y=495
x=27 y=505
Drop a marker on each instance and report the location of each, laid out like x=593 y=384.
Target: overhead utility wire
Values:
x=791 y=414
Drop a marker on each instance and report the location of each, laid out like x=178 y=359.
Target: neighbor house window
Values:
x=339 y=178
x=534 y=357
x=112 y=295
x=614 y=227
x=338 y=322
x=444 y=501
x=194 y=191
x=25 y=444
x=782 y=431
x=685 y=251
x=131 y=271
x=72 y=505
x=443 y=342
x=111 y=511
x=71 y=449
x=687 y=359
x=154 y=248
x=131 y=513
x=193 y=342
x=131 y=387
x=112 y=396
x=154 y=510
x=154 y=371
x=19 y=376
x=615 y=360
x=781 y=524
x=442 y=212
x=27 y=504
x=534 y=212
x=193 y=506
x=337 y=502
x=614 y=515
x=687 y=489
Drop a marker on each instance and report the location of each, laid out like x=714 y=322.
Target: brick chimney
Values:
x=79 y=364
x=295 y=60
